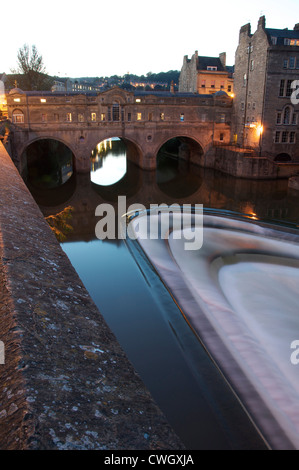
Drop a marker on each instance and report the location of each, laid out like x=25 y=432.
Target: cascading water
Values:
x=240 y=294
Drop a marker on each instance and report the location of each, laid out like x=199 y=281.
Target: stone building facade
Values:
x=266 y=67
x=206 y=75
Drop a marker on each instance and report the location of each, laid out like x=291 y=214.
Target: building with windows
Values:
x=266 y=68
x=206 y=75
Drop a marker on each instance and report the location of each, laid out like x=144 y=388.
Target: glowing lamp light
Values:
x=260 y=129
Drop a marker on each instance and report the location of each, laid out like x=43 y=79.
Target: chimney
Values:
x=296 y=27
x=262 y=22
x=222 y=57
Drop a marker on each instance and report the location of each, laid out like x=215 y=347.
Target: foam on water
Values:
x=240 y=293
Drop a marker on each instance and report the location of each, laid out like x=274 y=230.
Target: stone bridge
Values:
x=144 y=120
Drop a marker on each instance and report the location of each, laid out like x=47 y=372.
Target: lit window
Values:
x=80 y=117
x=139 y=116
x=162 y=116
x=138 y=100
x=93 y=116
x=103 y=117
x=43 y=100
x=17 y=100
x=182 y=117
x=18 y=117
x=69 y=117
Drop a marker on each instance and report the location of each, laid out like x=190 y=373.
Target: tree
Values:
x=32 y=70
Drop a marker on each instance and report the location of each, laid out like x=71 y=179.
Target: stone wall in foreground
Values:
x=65 y=382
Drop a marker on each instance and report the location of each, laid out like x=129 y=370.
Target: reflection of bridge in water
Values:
x=191 y=185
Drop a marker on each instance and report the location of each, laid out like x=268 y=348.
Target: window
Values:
x=203 y=118
x=292 y=137
x=182 y=117
x=286 y=115
x=284 y=137
x=162 y=116
x=17 y=116
x=278 y=118
x=286 y=41
x=210 y=67
x=229 y=88
x=115 y=112
x=253 y=105
x=93 y=116
x=150 y=116
x=294 y=119
x=285 y=63
x=139 y=116
x=292 y=63
x=221 y=136
x=109 y=113
x=103 y=117
x=294 y=42
x=251 y=64
x=274 y=40
x=222 y=85
x=44 y=118
x=244 y=79
x=277 y=137
x=129 y=117
x=80 y=117
x=212 y=83
x=242 y=106
x=289 y=88
x=56 y=117
x=69 y=117
x=281 y=88
x=203 y=84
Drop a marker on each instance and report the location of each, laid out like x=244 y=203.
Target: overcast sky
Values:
x=113 y=37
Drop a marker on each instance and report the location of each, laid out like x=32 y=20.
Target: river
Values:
x=197 y=399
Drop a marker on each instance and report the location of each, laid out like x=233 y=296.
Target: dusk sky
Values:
x=103 y=38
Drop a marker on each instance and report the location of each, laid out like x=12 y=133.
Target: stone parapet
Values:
x=65 y=382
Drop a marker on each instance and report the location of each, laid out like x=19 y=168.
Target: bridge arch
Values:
x=134 y=150
x=59 y=161
x=190 y=148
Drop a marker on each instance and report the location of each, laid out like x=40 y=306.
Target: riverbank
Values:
x=66 y=383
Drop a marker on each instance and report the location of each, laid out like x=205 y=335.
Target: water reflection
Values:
x=48 y=164
x=108 y=162
x=138 y=310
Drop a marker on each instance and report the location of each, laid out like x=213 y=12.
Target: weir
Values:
x=239 y=293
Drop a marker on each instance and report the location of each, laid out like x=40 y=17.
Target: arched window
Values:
x=286 y=115
x=17 y=116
